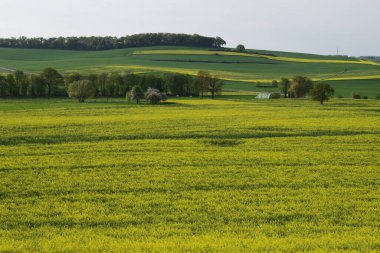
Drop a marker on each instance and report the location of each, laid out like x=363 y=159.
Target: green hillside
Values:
x=244 y=69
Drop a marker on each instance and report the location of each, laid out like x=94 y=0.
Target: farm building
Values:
x=264 y=95
x=268 y=95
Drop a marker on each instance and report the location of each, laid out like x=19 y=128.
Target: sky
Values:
x=310 y=26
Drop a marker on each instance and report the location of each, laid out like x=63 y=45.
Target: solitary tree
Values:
x=136 y=93
x=285 y=84
x=240 y=48
x=81 y=90
x=322 y=92
x=51 y=78
x=215 y=86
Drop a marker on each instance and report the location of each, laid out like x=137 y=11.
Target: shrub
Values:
x=356 y=96
x=378 y=97
x=340 y=96
x=275 y=83
x=240 y=48
x=365 y=97
x=154 y=96
x=275 y=95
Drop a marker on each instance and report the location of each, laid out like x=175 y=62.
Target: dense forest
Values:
x=105 y=43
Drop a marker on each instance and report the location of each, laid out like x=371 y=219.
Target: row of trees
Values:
x=104 y=43
x=50 y=83
x=83 y=89
x=300 y=86
x=156 y=92
x=19 y=84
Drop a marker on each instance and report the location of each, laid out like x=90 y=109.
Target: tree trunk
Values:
x=49 y=89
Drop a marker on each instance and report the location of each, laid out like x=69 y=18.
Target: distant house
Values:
x=268 y=95
x=264 y=95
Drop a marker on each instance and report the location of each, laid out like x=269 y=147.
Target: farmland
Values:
x=188 y=175
x=243 y=69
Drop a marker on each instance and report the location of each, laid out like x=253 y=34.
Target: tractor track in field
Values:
x=7 y=69
x=13 y=70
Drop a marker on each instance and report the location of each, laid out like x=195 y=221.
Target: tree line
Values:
x=105 y=43
x=51 y=83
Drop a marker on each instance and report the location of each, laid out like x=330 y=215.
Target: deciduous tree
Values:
x=3 y=87
x=215 y=86
x=300 y=86
x=11 y=83
x=52 y=79
x=136 y=94
x=37 y=86
x=21 y=83
x=322 y=92
x=285 y=84
x=81 y=90
x=202 y=82
x=240 y=48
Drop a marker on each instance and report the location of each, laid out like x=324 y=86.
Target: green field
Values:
x=189 y=176
x=235 y=68
x=344 y=88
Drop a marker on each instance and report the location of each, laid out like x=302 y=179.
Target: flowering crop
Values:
x=192 y=175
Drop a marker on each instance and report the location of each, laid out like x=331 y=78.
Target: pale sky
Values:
x=312 y=26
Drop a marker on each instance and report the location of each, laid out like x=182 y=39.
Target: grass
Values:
x=344 y=88
x=234 y=68
x=368 y=88
x=190 y=176
x=253 y=55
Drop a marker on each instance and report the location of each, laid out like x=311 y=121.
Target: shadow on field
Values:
x=121 y=102
x=223 y=142
x=217 y=139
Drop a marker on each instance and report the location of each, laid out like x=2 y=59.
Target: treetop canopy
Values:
x=104 y=43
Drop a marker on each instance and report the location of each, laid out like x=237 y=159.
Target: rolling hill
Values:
x=241 y=71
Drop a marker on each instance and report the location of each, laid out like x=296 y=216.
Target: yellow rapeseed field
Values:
x=190 y=175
